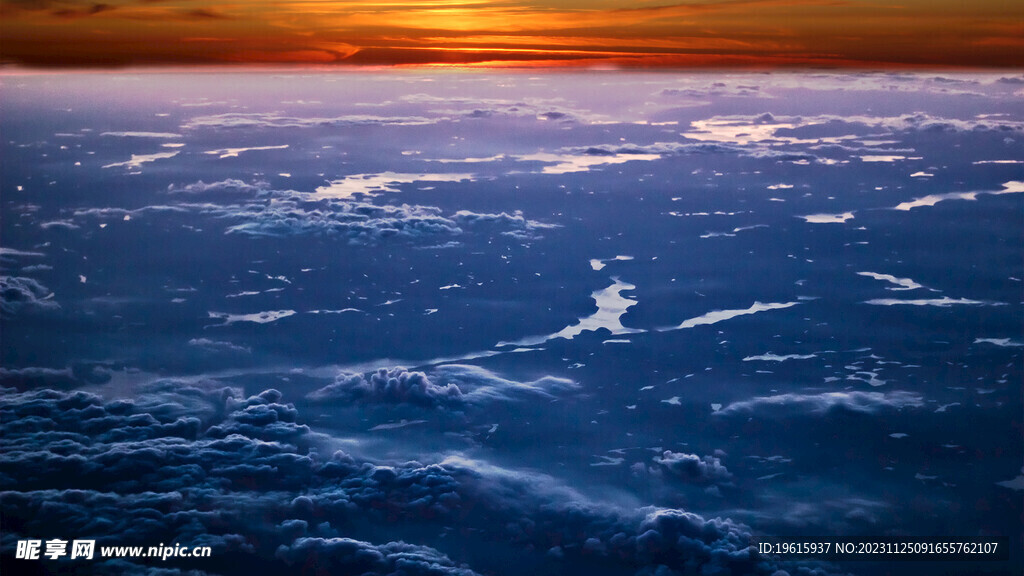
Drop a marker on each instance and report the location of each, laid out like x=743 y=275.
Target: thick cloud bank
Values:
x=344 y=555
x=200 y=465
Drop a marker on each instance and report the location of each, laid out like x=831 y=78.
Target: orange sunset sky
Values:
x=596 y=33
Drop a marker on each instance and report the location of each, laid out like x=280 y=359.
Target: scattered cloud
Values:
x=784 y=405
x=611 y=306
x=723 y=315
x=230 y=186
x=139 y=159
x=1012 y=187
x=264 y=120
x=264 y=317
x=943 y=302
x=218 y=346
x=159 y=135
x=367 y=185
x=769 y=357
x=899 y=283
x=827 y=218
x=234 y=152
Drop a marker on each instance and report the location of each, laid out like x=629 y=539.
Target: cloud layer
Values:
x=205 y=466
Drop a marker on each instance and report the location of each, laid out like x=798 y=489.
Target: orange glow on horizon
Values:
x=504 y=33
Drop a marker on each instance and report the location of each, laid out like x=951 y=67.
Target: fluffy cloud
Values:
x=259 y=211
x=395 y=386
x=364 y=223
x=449 y=385
x=361 y=223
x=514 y=221
x=18 y=293
x=693 y=468
x=228 y=186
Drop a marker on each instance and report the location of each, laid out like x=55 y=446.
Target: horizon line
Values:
x=20 y=69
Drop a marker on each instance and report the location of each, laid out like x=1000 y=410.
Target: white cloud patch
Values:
x=899 y=283
x=264 y=317
x=1002 y=342
x=229 y=185
x=881 y=158
x=1012 y=187
x=1016 y=484
x=933 y=199
x=571 y=160
x=373 y=184
x=827 y=218
x=142 y=134
x=611 y=306
x=569 y=163
x=599 y=264
x=67 y=224
x=139 y=159
x=722 y=315
x=234 y=152
x=744 y=130
x=733 y=233
x=764 y=128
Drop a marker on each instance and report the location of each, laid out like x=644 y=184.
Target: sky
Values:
x=515 y=33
